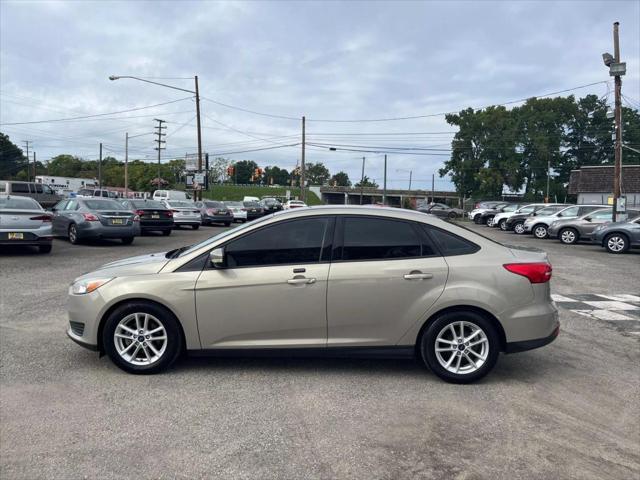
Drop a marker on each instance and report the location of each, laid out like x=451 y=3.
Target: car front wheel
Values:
x=519 y=228
x=616 y=243
x=540 y=231
x=142 y=338
x=460 y=347
x=73 y=234
x=568 y=236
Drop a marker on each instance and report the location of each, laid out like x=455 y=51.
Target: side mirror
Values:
x=217 y=258
x=588 y=219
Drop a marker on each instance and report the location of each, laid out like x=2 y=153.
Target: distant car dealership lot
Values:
x=69 y=413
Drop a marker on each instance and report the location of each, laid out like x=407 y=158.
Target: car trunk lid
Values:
x=23 y=219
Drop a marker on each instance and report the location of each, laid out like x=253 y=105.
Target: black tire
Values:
x=477 y=219
x=502 y=225
x=45 y=248
x=540 y=231
x=174 y=337
x=518 y=228
x=428 y=341
x=452 y=215
x=616 y=243
x=488 y=219
x=195 y=227
x=166 y=233
x=226 y=224
x=127 y=240
x=568 y=236
x=176 y=226
x=72 y=234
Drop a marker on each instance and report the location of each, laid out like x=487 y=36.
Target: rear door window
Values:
x=367 y=238
x=19 y=188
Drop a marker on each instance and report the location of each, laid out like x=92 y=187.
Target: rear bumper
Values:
x=27 y=242
x=217 y=218
x=514 y=347
x=97 y=230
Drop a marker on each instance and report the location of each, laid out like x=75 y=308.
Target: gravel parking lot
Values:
x=569 y=410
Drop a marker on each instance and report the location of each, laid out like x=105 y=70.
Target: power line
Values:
x=97 y=114
x=257 y=149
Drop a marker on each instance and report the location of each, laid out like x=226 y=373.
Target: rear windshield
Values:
x=19 y=203
x=251 y=204
x=102 y=205
x=179 y=204
x=147 y=204
x=214 y=204
x=233 y=204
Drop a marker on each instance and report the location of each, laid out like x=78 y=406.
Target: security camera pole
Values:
x=616 y=70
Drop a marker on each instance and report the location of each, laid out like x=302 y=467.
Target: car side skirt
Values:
x=391 y=352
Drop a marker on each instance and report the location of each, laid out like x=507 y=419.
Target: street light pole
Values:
x=362 y=181
x=384 y=190
x=302 y=167
x=126 y=165
x=198 y=195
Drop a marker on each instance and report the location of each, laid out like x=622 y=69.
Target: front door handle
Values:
x=301 y=280
x=418 y=276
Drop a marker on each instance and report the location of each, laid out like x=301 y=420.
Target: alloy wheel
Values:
x=140 y=339
x=462 y=347
x=503 y=225
x=540 y=231
x=519 y=228
x=73 y=234
x=568 y=236
x=616 y=244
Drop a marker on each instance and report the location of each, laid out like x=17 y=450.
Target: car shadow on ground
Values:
x=18 y=250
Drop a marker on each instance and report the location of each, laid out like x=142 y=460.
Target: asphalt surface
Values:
x=568 y=410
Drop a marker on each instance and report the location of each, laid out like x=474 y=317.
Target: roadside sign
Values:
x=198 y=178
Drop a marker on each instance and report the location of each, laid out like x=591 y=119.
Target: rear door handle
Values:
x=418 y=276
x=300 y=280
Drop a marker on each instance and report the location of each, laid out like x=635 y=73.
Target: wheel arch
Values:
x=110 y=310
x=615 y=232
x=463 y=308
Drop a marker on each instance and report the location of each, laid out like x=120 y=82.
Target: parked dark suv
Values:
x=43 y=194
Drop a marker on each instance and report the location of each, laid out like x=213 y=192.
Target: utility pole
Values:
x=26 y=145
x=100 y=169
x=198 y=195
x=618 y=121
x=546 y=198
x=410 y=178
x=433 y=188
x=362 y=181
x=384 y=189
x=159 y=141
x=34 y=166
x=126 y=165
x=302 y=175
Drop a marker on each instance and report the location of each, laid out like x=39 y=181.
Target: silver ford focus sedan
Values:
x=322 y=281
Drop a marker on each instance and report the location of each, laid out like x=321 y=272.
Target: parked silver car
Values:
x=618 y=237
x=213 y=211
x=185 y=212
x=573 y=230
x=538 y=223
x=94 y=218
x=24 y=222
x=326 y=281
x=238 y=211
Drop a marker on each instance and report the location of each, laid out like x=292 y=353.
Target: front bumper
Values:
x=86 y=310
x=528 y=227
x=80 y=341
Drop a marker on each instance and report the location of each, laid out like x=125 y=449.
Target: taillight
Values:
x=211 y=211
x=169 y=214
x=139 y=212
x=90 y=217
x=44 y=218
x=535 y=272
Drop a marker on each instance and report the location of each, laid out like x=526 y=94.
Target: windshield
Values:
x=526 y=209
x=179 y=252
x=103 y=205
x=549 y=211
x=510 y=208
x=19 y=203
x=179 y=204
x=148 y=204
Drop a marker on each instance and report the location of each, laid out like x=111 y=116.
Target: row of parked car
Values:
x=23 y=221
x=570 y=224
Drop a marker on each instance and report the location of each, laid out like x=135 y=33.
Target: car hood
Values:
x=139 y=265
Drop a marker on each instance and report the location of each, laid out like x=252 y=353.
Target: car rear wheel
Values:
x=460 y=347
x=127 y=240
x=568 y=236
x=142 y=338
x=452 y=215
x=226 y=224
x=616 y=243
x=73 y=234
x=477 y=219
x=488 y=220
x=195 y=227
x=166 y=233
x=45 y=248
x=519 y=228
x=540 y=231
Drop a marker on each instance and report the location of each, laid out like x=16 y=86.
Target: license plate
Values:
x=16 y=236
x=117 y=221
x=155 y=216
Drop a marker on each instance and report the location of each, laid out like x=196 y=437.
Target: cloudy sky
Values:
x=331 y=61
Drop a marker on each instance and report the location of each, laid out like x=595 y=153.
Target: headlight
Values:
x=87 y=286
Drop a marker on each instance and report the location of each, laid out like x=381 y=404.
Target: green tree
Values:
x=218 y=169
x=12 y=159
x=340 y=179
x=367 y=182
x=316 y=174
x=276 y=175
x=244 y=170
x=65 y=165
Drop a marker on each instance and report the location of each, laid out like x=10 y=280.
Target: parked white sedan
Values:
x=294 y=204
x=24 y=222
x=239 y=211
x=185 y=212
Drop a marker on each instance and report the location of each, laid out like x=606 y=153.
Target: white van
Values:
x=161 y=195
x=251 y=199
